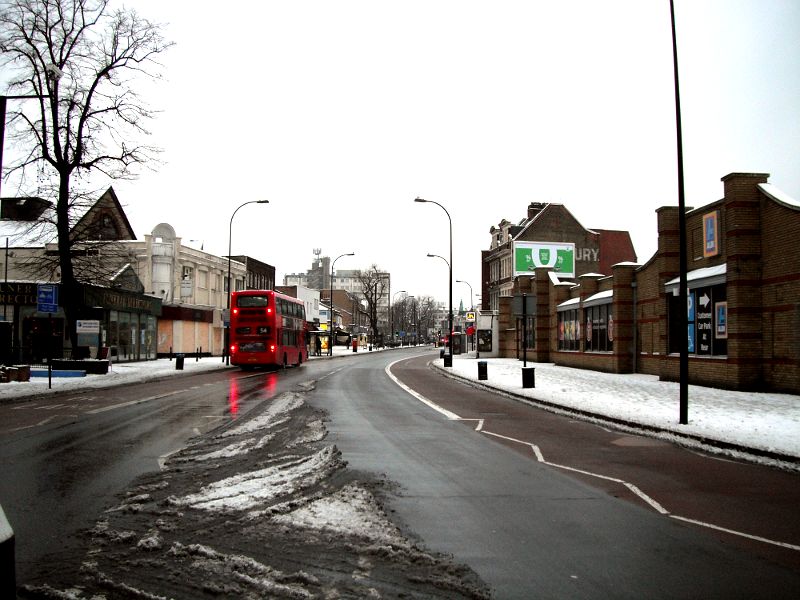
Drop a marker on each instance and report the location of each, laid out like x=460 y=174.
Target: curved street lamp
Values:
x=450 y=316
x=447 y=363
x=228 y=303
x=330 y=309
x=471 y=303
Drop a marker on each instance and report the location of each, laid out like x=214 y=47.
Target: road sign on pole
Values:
x=47 y=298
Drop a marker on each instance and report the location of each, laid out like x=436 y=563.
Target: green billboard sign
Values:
x=531 y=255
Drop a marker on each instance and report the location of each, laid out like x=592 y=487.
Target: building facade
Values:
x=743 y=299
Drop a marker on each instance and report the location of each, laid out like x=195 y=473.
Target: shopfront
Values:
x=127 y=325
x=128 y=322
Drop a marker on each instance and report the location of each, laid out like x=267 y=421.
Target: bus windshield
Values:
x=252 y=301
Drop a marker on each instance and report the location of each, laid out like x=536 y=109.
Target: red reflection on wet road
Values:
x=233 y=398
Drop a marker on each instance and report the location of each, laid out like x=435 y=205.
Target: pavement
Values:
x=760 y=427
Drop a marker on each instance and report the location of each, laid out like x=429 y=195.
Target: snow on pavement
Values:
x=763 y=421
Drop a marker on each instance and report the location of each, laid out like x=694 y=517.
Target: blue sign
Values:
x=47 y=298
x=691 y=338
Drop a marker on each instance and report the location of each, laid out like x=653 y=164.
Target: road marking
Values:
x=540 y=458
x=449 y=415
x=132 y=402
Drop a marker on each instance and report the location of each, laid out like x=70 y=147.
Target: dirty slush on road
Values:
x=261 y=508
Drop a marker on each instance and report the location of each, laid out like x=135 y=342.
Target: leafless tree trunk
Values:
x=80 y=59
x=373 y=286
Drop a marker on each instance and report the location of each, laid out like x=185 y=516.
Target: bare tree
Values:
x=373 y=287
x=80 y=59
x=426 y=307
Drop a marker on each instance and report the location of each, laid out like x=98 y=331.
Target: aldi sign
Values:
x=532 y=255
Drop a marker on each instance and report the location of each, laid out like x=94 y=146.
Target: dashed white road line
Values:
x=540 y=458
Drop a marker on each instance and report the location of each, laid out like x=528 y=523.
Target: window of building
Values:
x=529 y=332
x=569 y=330
x=599 y=328
x=202 y=279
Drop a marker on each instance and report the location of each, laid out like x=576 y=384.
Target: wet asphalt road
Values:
x=64 y=458
x=528 y=529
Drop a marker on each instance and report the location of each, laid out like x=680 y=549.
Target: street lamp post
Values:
x=391 y=312
x=683 y=359
x=330 y=315
x=471 y=304
x=226 y=351
x=447 y=363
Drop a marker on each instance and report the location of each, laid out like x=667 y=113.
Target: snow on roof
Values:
x=704 y=273
x=569 y=304
x=599 y=298
x=626 y=263
x=778 y=195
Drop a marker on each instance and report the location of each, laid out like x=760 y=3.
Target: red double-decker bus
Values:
x=267 y=328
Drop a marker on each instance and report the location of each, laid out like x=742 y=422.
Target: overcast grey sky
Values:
x=341 y=113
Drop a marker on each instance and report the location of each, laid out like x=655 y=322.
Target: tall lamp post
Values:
x=683 y=366
x=330 y=319
x=226 y=352
x=471 y=305
x=447 y=362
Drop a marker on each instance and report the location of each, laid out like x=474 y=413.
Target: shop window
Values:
x=569 y=330
x=598 y=322
x=706 y=332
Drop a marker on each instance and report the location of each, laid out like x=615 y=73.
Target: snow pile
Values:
x=352 y=511
x=277 y=413
x=243 y=569
x=248 y=490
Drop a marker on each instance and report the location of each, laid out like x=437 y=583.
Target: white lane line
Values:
x=451 y=416
x=633 y=488
x=739 y=533
x=132 y=402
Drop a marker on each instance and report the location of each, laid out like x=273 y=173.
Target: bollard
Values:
x=8 y=568
x=448 y=360
x=482 y=370
x=179 y=361
x=528 y=377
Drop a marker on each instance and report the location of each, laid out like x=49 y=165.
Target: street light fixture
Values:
x=450 y=315
x=391 y=312
x=228 y=301
x=330 y=309
x=471 y=303
x=447 y=362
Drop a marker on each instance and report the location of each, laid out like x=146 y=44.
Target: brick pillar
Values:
x=741 y=227
x=506 y=331
x=667 y=261
x=544 y=322
x=622 y=311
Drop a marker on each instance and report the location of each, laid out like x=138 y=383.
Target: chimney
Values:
x=534 y=208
